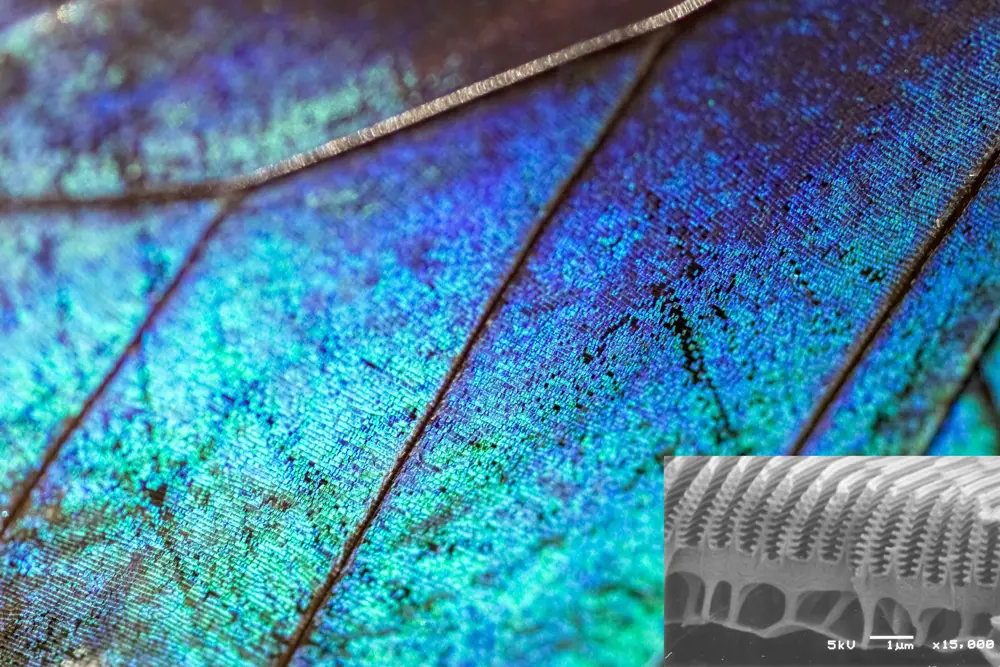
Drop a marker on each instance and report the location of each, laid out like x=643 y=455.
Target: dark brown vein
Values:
x=492 y=307
x=973 y=381
x=992 y=407
x=948 y=219
x=22 y=495
x=417 y=115
x=160 y=195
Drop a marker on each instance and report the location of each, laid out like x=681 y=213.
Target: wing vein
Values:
x=861 y=349
x=493 y=305
x=973 y=378
x=274 y=173
x=21 y=496
x=992 y=407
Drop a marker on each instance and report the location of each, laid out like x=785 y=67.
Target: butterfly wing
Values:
x=716 y=276
x=74 y=288
x=972 y=424
x=895 y=398
x=201 y=502
x=100 y=98
x=700 y=290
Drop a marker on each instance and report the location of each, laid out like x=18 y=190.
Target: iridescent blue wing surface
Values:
x=238 y=440
x=100 y=97
x=408 y=406
x=736 y=253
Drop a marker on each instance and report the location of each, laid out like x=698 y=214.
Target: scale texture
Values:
x=699 y=284
x=972 y=425
x=190 y=518
x=73 y=289
x=896 y=398
x=102 y=96
x=698 y=288
x=846 y=546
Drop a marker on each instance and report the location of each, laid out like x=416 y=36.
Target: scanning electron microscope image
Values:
x=832 y=560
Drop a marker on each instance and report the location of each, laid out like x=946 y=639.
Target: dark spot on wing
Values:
x=13 y=78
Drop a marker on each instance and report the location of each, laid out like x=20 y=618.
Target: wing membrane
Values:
x=202 y=500
x=73 y=289
x=897 y=396
x=697 y=292
x=104 y=97
x=746 y=225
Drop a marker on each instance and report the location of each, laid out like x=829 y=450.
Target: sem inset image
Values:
x=832 y=560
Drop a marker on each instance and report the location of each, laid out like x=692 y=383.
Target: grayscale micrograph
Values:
x=819 y=560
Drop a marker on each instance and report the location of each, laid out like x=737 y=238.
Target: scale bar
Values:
x=891 y=637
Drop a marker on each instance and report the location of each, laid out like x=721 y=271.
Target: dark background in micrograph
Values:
x=711 y=645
